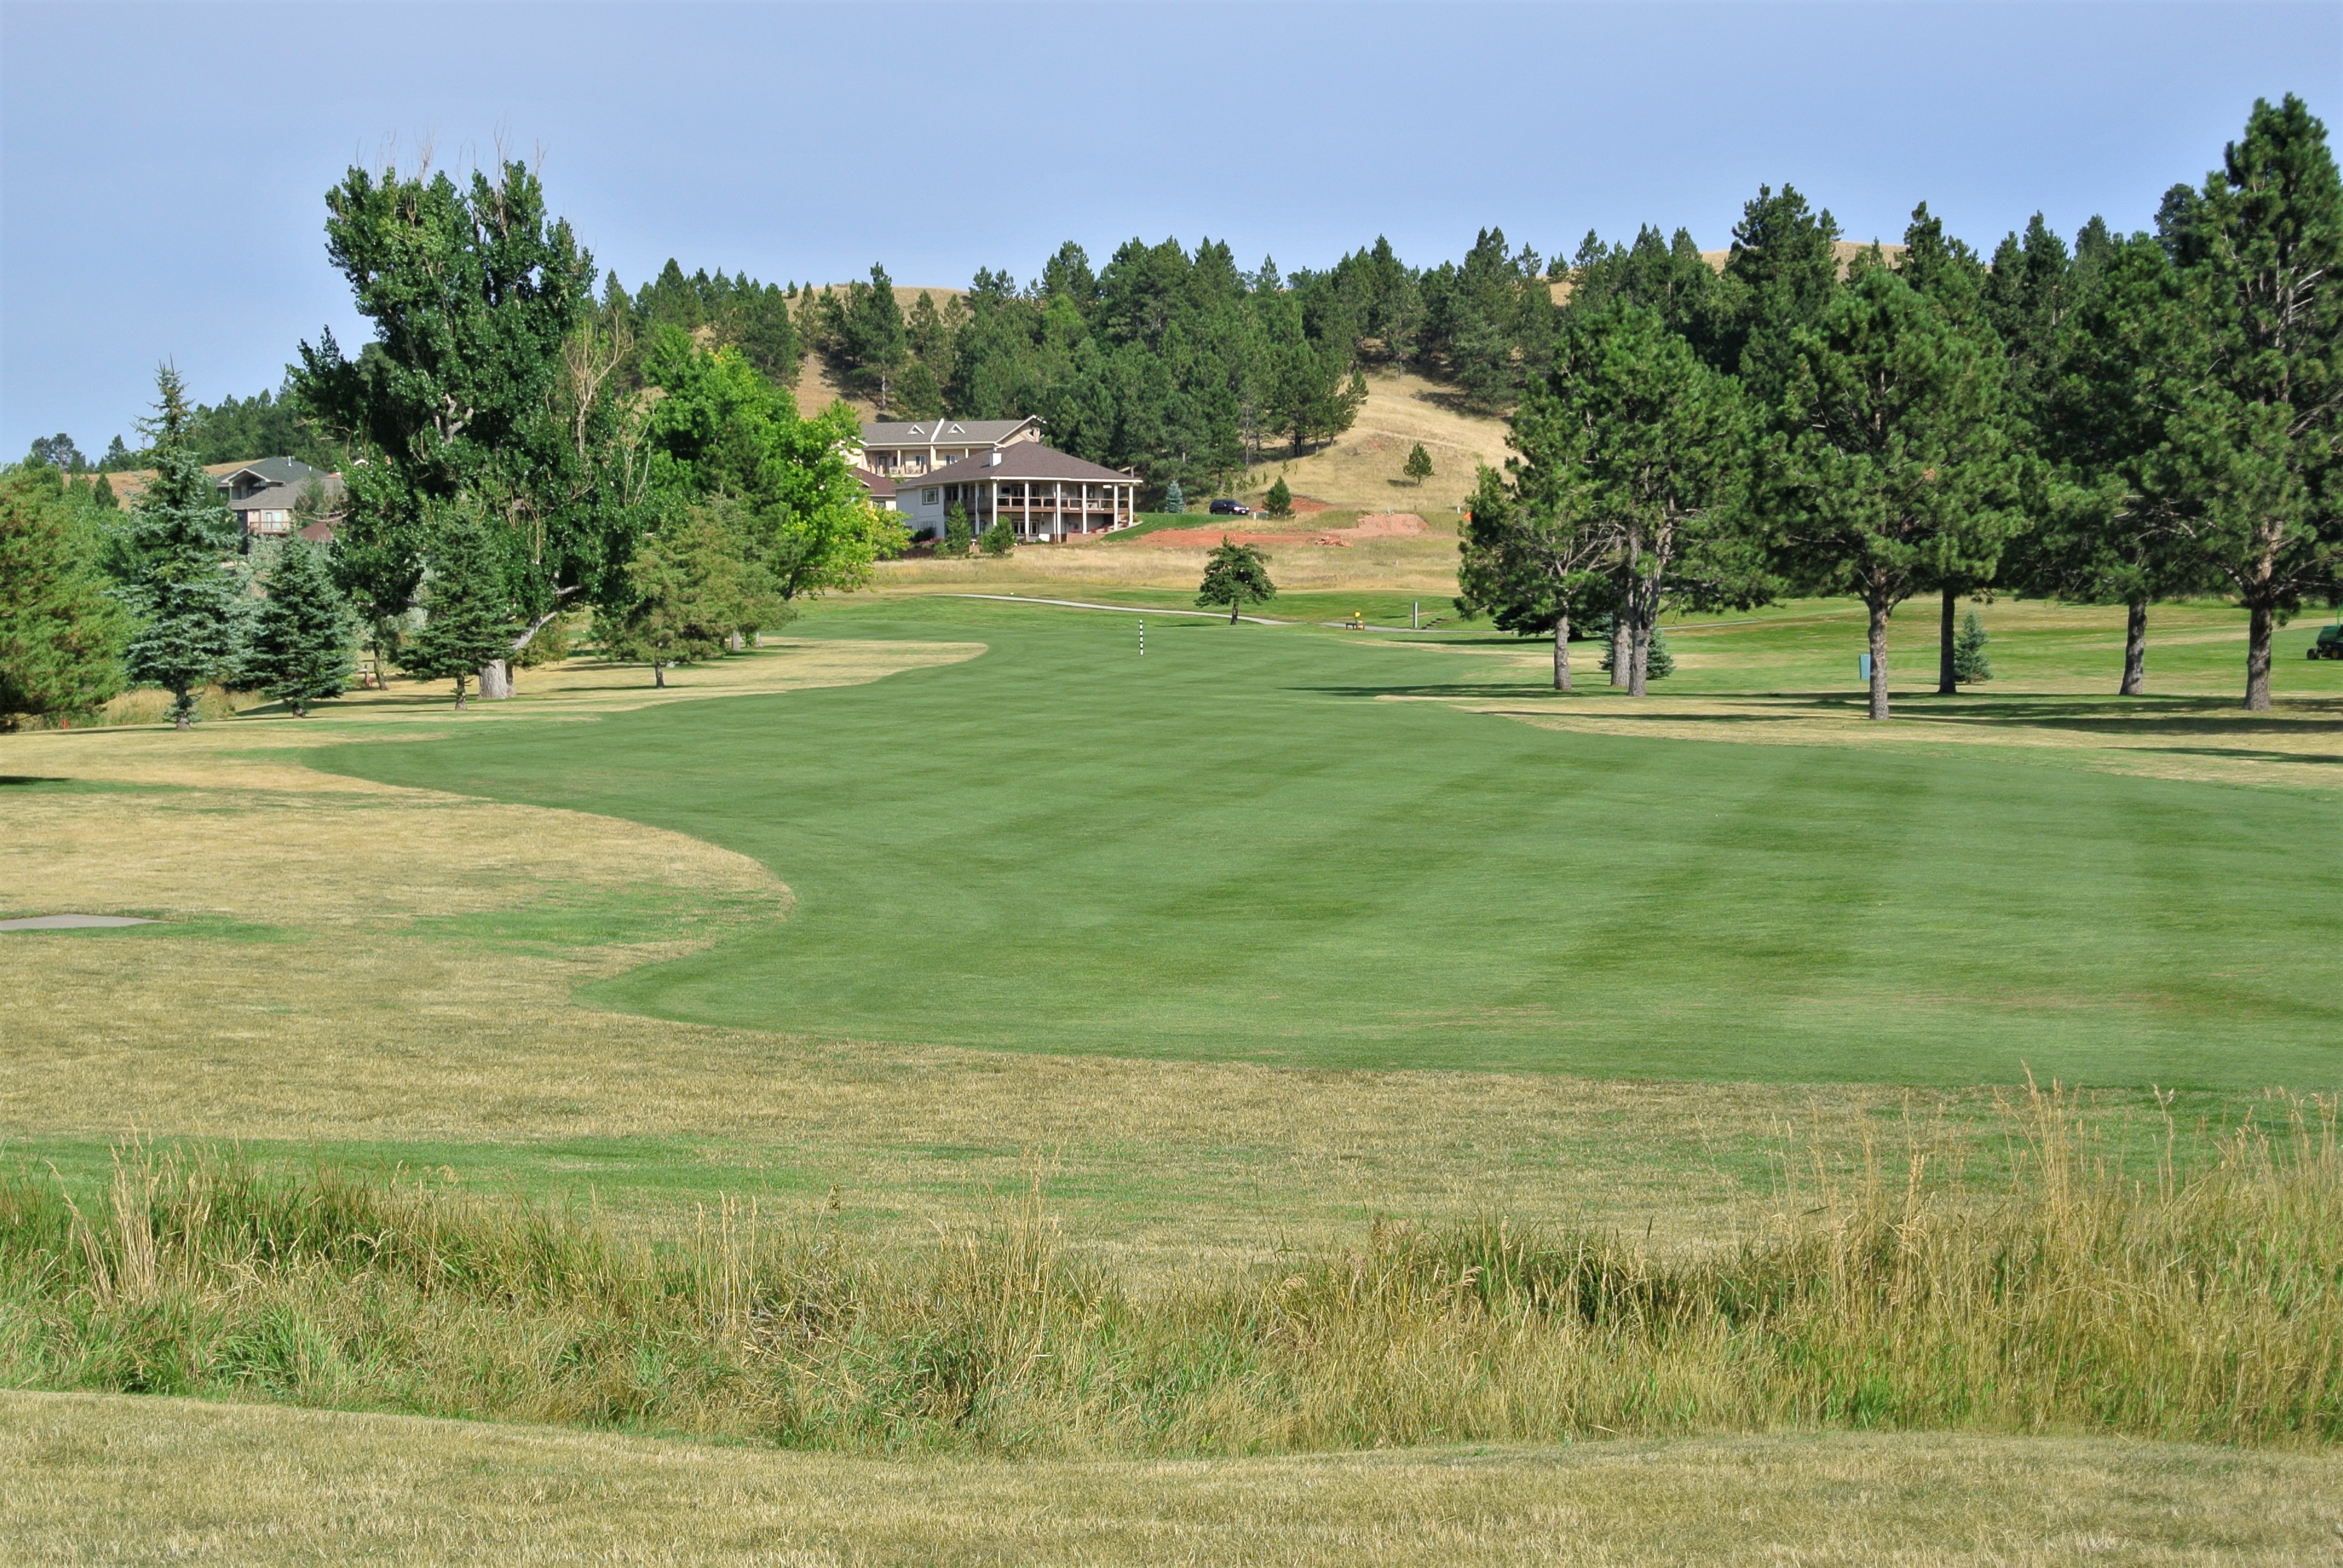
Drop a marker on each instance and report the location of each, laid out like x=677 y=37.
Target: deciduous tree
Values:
x=490 y=388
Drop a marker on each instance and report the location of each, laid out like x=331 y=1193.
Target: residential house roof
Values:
x=1025 y=460
x=271 y=471
x=271 y=497
x=942 y=432
x=878 y=487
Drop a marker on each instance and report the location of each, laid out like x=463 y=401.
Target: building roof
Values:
x=129 y=484
x=1024 y=460
x=878 y=486
x=278 y=498
x=271 y=471
x=940 y=432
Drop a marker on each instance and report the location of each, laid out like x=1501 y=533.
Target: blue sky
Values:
x=161 y=168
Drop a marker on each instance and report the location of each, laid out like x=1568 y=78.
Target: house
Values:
x=878 y=488
x=263 y=493
x=1046 y=494
x=901 y=450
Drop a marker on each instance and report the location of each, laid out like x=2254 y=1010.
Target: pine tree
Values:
x=1658 y=662
x=956 y=533
x=1000 y=538
x=299 y=651
x=1279 y=503
x=181 y=546
x=60 y=634
x=1174 y=500
x=468 y=609
x=1970 y=660
x=1236 y=576
x=1419 y=463
x=1896 y=472
x=2250 y=473
x=692 y=584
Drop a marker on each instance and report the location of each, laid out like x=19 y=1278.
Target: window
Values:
x=927 y=497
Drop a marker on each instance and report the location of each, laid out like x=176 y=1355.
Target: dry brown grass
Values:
x=1422 y=563
x=1361 y=468
x=96 y=1479
x=377 y=1014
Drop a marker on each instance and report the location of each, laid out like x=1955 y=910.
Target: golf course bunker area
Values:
x=71 y=922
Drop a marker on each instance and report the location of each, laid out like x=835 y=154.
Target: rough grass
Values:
x=103 y=1478
x=2203 y=1302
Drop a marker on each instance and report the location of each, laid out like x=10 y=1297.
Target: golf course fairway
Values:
x=1234 y=847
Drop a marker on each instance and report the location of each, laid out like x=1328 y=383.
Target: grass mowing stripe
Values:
x=1230 y=850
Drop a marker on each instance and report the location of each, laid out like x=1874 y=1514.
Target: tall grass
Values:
x=2203 y=1300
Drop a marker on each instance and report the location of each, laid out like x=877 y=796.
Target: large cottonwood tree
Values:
x=489 y=391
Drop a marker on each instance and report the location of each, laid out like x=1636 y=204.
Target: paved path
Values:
x=70 y=922
x=1142 y=610
x=1120 y=609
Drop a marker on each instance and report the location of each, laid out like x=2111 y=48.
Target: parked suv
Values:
x=2329 y=644
x=1224 y=507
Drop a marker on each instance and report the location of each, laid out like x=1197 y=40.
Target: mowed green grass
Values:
x=1231 y=849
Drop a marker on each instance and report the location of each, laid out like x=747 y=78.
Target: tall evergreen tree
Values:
x=61 y=632
x=1947 y=273
x=1890 y=469
x=694 y=583
x=180 y=549
x=467 y=606
x=1780 y=276
x=2254 y=475
x=1655 y=445
x=1531 y=551
x=2106 y=534
x=299 y=649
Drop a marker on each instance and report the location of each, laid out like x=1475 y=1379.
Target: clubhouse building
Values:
x=901 y=450
x=1045 y=495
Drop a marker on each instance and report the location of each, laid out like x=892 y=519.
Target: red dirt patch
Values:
x=1374 y=526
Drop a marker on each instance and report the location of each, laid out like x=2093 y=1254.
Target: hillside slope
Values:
x=1361 y=468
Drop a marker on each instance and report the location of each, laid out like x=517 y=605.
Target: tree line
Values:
x=1180 y=365
x=2132 y=418
x=516 y=451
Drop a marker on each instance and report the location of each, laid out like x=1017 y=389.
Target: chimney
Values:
x=992 y=459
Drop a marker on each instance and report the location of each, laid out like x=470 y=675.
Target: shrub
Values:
x=1970 y=660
